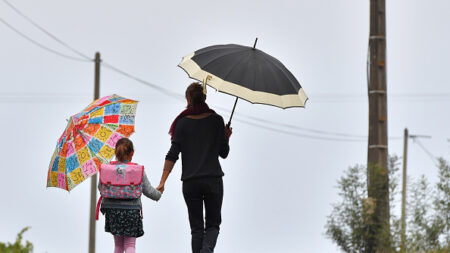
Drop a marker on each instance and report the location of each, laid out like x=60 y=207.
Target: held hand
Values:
x=160 y=188
x=228 y=131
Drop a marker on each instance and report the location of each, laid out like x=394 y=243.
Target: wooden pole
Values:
x=377 y=157
x=403 y=219
x=94 y=177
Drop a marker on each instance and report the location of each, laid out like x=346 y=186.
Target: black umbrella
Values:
x=247 y=73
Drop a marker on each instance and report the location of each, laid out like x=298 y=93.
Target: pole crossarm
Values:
x=419 y=136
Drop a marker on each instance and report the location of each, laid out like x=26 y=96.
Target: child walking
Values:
x=122 y=210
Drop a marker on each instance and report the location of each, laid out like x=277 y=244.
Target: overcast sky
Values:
x=280 y=177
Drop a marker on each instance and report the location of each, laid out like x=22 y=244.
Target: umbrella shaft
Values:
x=232 y=112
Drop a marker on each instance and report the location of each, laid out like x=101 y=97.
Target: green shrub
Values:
x=17 y=246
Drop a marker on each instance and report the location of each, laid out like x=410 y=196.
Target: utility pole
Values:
x=377 y=155
x=406 y=136
x=405 y=159
x=94 y=177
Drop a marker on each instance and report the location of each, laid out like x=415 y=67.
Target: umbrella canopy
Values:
x=247 y=73
x=89 y=140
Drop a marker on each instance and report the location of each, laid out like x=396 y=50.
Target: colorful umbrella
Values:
x=89 y=140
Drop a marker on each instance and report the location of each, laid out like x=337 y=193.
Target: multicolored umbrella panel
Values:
x=89 y=140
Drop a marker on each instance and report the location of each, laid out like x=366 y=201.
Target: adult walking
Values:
x=201 y=137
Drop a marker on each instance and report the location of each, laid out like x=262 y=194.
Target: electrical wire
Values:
x=173 y=94
x=68 y=96
x=181 y=98
x=340 y=96
x=368 y=67
x=293 y=126
x=156 y=87
x=39 y=44
x=47 y=32
x=433 y=158
x=391 y=95
x=298 y=134
x=151 y=85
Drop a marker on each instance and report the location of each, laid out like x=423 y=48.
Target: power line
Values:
x=298 y=134
x=433 y=158
x=159 y=88
x=395 y=95
x=151 y=85
x=46 y=32
x=170 y=93
x=364 y=100
x=181 y=98
x=329 y=95
x=294 y=126
x=39 y=44
x=297 y=127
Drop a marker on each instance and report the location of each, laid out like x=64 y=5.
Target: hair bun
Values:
x=124 y=147
x=195 y=93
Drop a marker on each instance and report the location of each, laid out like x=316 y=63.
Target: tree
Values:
x=442 y=202
x=17 y=246
x=427 y=214
x=346 y=225
x=428 y=222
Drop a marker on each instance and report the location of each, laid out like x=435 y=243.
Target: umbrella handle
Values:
x=204 y=83
x=232 y=112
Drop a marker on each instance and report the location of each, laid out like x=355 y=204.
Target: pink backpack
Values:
x=121 y=180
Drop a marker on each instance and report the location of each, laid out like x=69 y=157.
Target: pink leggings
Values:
x=124 y=243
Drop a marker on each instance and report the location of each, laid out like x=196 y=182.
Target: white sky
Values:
x=278 y=188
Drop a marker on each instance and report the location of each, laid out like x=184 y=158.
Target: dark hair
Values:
x=195 y=94
x=124 y=147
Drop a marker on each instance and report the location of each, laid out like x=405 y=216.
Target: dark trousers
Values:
x=207 y=192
